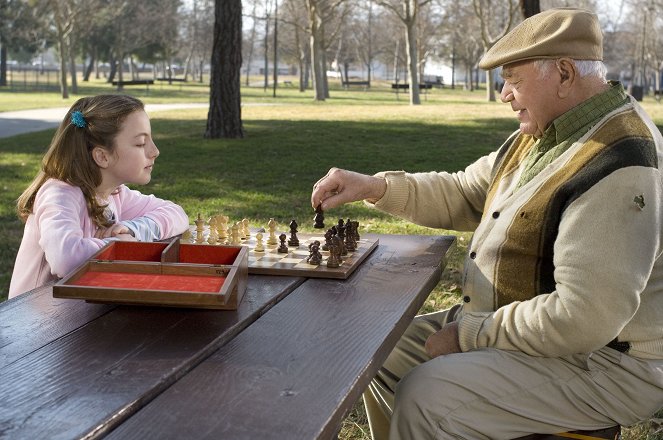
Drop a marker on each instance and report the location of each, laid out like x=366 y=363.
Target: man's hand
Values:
x=342 y=186
x=443 y=341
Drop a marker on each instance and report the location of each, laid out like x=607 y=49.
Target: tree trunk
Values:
x=266 y=53
x=317 y=60
x=3 y=65
x=529 y=7
x=72 y=68
x=490 y=85
x=225 y=118
x=252 y=41
x=88 y=69
x=63 y=69
x=411 y=38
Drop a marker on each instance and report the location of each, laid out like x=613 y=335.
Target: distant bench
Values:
x=172 y=79
x=135 y=82
x=405 y=86
x=364 y=84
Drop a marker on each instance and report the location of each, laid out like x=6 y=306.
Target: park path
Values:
x=27 y=121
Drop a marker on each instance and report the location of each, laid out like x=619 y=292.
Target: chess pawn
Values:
x=259 y=246
x=234 y=235
x=283 y=248
x=271 y=224
x=199 y=228
x=187 y=237
x=355 y=229
x=246 y=232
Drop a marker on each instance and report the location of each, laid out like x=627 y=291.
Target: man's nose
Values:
x=506 y=95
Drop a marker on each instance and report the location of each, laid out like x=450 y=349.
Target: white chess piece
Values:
x=235 y=235
x=271 y=224
x=246 y=232
x=259 y=246
x=199 y=229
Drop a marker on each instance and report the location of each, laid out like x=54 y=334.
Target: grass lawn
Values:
x=287 y=147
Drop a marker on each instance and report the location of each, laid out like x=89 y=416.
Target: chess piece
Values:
x=271 y=224
x=340 y=233
x=213 y=232
x=245 y=232
x=293 y=241
x=334 y=259
x=222 y=227
x=315 y=257
x=187 y=237
x=350 y=244
x=199 y=229
x=259 y=246
x=283 y=248
x=328 y=236
x=235 y=237
x=319 y=218
x=355 y=228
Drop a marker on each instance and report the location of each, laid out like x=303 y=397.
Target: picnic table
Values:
x=290 y=362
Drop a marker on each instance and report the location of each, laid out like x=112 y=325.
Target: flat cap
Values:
x=555 y=33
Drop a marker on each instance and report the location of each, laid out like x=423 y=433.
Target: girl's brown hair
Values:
x=69 y=157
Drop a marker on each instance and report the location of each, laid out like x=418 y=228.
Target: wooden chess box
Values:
x=171 y=274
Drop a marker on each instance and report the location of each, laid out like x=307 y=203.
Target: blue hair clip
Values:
x=77 y=119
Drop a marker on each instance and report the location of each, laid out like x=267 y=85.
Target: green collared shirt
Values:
x=570 y=127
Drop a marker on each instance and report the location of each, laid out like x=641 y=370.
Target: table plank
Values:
x=83 y=383
x=34 y=319
x=297 y=371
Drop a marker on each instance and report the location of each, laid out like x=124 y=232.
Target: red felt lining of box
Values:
x=139 y=281
x=198 y=254
x=133 y=251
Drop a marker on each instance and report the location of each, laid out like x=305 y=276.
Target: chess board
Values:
x=294 y=263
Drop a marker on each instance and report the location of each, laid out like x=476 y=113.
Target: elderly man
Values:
x=561 y=326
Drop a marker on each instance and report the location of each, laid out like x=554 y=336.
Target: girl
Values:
x=78 y=201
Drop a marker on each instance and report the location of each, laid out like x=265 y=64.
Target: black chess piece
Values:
x=319 y=218
x=350 y=243
x=340 y=233
x=328 y=236
x=355 y=228
x=334 y=259
x=316 y=257
x=283 y=248
x=293 y=241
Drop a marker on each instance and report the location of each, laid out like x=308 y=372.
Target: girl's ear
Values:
x=101 y=157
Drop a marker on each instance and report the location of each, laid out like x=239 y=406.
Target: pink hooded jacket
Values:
x=59 y=234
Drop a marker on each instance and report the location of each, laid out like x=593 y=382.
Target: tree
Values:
x=320 y=12
x=485 y=9
x=408 y=11
x=224 y=118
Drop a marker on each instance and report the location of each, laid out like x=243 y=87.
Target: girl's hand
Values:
x=116 y=230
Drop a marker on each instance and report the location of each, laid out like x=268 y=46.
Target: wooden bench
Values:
x=171 y=79
x=406 y=86
x=135 y=82
x=364 y=84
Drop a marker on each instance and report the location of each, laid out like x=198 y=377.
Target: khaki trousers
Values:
x=498 y=394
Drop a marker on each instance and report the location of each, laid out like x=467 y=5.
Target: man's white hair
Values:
x=586 y=68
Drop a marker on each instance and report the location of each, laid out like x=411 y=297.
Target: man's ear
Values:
x=101 y=157
x=568 y=74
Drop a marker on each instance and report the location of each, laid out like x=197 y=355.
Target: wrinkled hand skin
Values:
x=443 y=341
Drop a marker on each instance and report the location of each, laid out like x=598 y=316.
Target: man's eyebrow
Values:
x=506 y=73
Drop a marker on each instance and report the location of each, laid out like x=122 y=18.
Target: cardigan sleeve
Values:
x=439 y=199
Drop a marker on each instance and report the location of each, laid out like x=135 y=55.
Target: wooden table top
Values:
x=289 y=363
